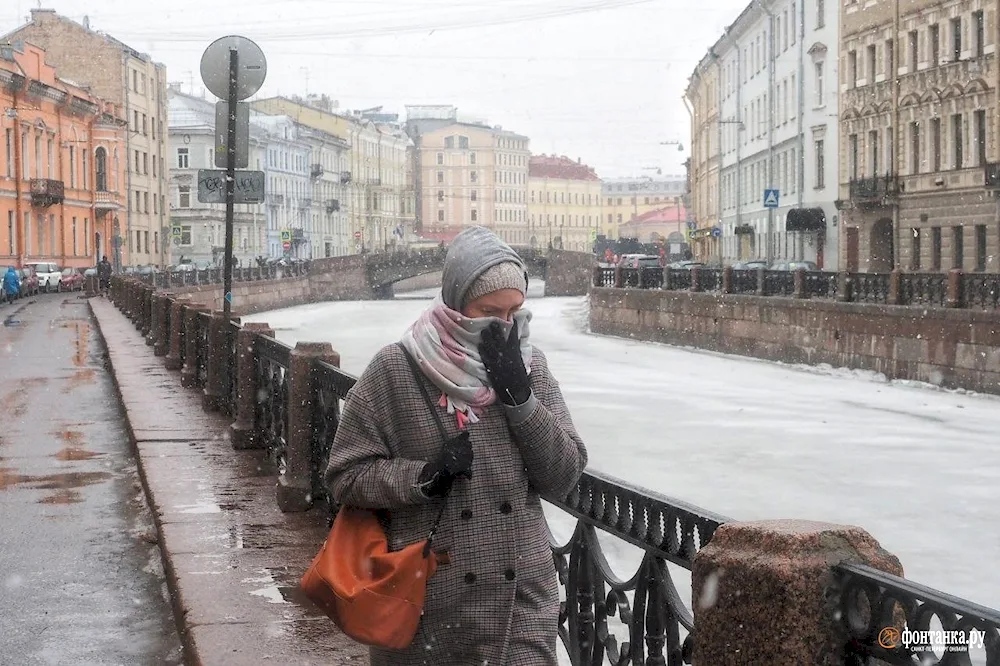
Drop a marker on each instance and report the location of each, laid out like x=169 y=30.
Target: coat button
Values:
x=509 y=574
x=470 y=578
x=506 y=507
x=466 y=514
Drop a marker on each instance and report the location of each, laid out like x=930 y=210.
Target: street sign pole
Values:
x=227 y=300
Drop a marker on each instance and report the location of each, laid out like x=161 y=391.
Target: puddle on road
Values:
x=78 y=379
x=280 y=586
x=15 y=402
x=73 y=450
x=65 y=484
x=82 y=329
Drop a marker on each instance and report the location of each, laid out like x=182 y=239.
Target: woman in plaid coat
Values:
x=495 y=599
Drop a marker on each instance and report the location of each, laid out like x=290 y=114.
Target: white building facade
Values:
x=778 y=131
x=289 y=189
x=330 y=164
x=197 y=231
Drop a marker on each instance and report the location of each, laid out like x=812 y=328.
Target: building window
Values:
x=936 y=248
x=913 y=50
x=819 y=88
x=473 y=176
x=440 y=158
x=75 y=236
x=475 y=195
x=820 y=14
x=101 y=168
x=936 y=144
x=463 y=142
x=979 y=32
x=956 y=39
x=440 y=195
x=935 y=39
x=10 y=154
x=86 y=237
x=184 y=196
x=915 y=250
x=871 y=64
x=820 y=166
x=914 y=147
x=440 y=176
x=186 y=235
x=440 y=216
x=472 y=158
x=852 y=68
x=957 y=139
x=183 y=158
x=11 y=228
x=475 y=215
x=890 y=60
x=873 y=144
x=980 y=247
x=957 y=247
x=979 y=120
x=853 y=156
x=72 y=167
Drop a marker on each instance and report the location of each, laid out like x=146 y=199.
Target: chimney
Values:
x=86 y=23
x=579 y=161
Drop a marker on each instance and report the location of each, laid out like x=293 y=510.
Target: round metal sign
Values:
x=251 y=67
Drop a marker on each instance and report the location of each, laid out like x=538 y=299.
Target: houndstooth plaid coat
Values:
x=497 y=601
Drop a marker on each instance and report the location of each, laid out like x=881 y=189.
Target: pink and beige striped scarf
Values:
x=445 y=345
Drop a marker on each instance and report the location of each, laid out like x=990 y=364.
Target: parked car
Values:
x=639 y=261
x=793 y=266
x=685 y=265
x=49 y=275
x=29 y=283
x=72 y=280
x=751 y=265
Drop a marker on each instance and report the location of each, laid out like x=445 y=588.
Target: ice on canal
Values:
x=917 y=467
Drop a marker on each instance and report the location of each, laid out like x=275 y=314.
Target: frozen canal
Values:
x=919 y=468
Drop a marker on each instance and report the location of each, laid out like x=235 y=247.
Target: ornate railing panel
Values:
x=204 y=323
x=878 y=609
x=667 y=530
x=229 y=368
x=744 y=282
x=779 y=283
x=923 y=289
x=679 y=280
x=273 y=360
x=605 y=277
x=870 y=287
x=331 y=385
x=652 y=277
x=710 y=279
x=980 y=290
x=820 y=284
x=630 y=277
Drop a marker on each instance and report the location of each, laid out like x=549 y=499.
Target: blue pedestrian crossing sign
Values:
x=770 y=198
x=229 y=296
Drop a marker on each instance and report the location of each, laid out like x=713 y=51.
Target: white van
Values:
x=49 y=275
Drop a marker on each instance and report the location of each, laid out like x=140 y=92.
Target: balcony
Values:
x=332 y=205
x=991 y=174
x=317 y=170
x=107 y=201
x=298 y=235
x=874 y=191
x=46 y=192
x=345 y=177
x=277 y=199
x=305 y=203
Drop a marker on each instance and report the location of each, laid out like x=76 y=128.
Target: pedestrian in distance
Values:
x=104 y=274
x=11 y=284
x=494 y=598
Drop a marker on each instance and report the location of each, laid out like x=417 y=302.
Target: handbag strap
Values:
x=418 y=377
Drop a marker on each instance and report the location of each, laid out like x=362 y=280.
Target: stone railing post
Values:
x=955 y=297
x=895 y=294
x=618 y=277
x=762 y=592
x=761 y=281
x=189 y=372
x=243 y=432
x=667 y=284
x=598 y=277
x=91 y=286
x=145 y=324
x=161 y=333
x=153 y=330
x=173 y=360
x=727 y=279
x=215 y=360
x=132 y=297
x=799 y=283
x=845 y=287
x=294 y=491
x=696 y=278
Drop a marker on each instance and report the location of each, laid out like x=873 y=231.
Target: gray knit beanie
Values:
x=506 y=275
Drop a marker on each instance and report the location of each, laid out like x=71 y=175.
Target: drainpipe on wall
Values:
x=801 y=93
x=21 y=247
x=718 y=149
x=769 y=253
x=739 y=153
x=896 y=135
x=127 y=241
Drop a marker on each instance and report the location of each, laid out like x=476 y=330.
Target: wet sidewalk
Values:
x=81 y=580
x=233 y=560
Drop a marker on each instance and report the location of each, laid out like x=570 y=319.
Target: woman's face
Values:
x=502 y=304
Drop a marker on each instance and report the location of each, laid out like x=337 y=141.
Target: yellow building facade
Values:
x=627 y=198
x=564 y=204
x=702 y=98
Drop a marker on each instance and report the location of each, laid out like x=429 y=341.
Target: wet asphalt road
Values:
x=80 y=575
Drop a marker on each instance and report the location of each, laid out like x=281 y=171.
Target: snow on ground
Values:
x=919 y=468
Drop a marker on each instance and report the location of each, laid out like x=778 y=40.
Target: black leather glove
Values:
x=504 y=366
x=454 y=462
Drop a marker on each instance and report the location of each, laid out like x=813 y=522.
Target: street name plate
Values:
x=212 y=186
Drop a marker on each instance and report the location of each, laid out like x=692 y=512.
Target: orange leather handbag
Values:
x=375 y=596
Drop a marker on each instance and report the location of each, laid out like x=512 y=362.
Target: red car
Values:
x=72 y=280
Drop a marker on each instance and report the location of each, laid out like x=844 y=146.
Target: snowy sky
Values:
x=597 y=79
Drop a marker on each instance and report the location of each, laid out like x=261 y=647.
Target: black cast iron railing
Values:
x=745 y=281
x=981 y=290
x=779 y=283
x=876 y=608
x=870 y=287
x=924 y=289
x=273 y=360
x=204 y=323
x=229 y=367
x=711 y=279
x=678 y=280
x=820 y=284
